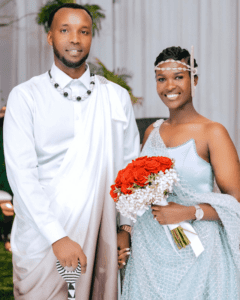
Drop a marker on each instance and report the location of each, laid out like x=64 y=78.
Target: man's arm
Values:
x=131 y=151
x=32 y=204
x=131 y=141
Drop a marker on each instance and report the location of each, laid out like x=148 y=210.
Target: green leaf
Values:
x=97 y=16
x=114 y=77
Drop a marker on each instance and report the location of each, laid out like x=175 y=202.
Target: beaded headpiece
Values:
x=185 y=68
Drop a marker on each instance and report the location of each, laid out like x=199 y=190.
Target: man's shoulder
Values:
x=115 y=86
x=26 y=87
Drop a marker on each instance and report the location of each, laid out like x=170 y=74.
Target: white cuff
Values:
x=53 y=232
x=125 y=221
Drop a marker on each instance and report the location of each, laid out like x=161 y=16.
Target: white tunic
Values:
x=45 y=137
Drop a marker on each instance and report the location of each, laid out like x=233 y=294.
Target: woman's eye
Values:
x=63 y=30
x=179 y=77
x=84 y=32
x=161 y=79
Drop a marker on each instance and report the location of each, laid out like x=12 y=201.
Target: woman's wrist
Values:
x=190 y=213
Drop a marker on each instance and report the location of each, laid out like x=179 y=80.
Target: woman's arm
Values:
x=175 y=213
x=226 y=167
x=225 y=163
x=224 y=160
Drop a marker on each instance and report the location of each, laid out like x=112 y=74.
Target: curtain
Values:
x=132 y=35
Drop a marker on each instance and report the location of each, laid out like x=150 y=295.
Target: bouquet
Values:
x=146 y=181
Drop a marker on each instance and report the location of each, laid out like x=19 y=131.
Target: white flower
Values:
x=140 y=200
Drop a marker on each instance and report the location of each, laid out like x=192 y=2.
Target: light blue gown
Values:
x=156 y=271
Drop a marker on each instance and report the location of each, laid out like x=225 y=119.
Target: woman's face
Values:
x=174 y=86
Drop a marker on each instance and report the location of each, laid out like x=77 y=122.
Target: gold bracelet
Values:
x=126 y=228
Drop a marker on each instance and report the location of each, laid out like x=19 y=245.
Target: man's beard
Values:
x=67 y=63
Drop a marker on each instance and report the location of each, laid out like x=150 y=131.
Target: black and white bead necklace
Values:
x=65 y=94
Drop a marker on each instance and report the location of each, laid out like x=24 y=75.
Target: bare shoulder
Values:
x=219 y=141
x=216 y=131
x=147 y=133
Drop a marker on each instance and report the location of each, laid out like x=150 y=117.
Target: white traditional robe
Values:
x=61 y=158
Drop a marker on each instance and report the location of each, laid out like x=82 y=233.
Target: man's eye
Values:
x=63 y=30
x=84 y=32
x=161 y=79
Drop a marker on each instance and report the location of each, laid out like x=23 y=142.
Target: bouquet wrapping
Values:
x=146 y=181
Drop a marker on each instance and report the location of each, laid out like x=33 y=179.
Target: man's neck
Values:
x=71 y=72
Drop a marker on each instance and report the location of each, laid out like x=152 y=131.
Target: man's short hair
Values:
x=67 y=5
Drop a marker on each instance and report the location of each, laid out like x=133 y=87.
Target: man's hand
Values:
x=7 y=208
x=69 y=252
x=123 y=244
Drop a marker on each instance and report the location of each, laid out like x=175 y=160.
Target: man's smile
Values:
x=73 y=51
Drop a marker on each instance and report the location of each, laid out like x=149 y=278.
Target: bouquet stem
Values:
x=180 y=237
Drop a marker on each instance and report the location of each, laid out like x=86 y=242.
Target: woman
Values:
x=202 y=150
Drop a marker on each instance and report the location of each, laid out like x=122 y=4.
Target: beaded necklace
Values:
x=65 y=94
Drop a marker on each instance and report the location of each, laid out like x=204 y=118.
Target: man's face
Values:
x=71 y=37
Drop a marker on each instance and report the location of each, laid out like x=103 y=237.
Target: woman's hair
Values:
x=67 y=5
x=176 y=53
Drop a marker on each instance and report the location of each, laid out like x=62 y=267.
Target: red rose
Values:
x=125 y=190
x=141 y=176
x=152 y=165
x=119 y=178
x=141 y=158
x=128 y=177
x=139 y=162
x=113 y=194
x=166 y=163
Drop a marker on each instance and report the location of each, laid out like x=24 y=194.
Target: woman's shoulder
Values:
x=216 y=136
x=214 y=130
x=211 y=128
x=150 y=128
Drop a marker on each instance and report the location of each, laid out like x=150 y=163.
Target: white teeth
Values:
x=73 y=52
x=172 y=96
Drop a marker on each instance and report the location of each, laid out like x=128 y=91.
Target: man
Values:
x=66 y=135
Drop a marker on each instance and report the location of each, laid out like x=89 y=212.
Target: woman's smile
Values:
x=172 y=96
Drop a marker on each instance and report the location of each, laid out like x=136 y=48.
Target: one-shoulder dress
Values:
x=155 y=271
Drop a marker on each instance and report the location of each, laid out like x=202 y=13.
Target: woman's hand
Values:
x=123 y=257
x=123 y=244
x=173 y=213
